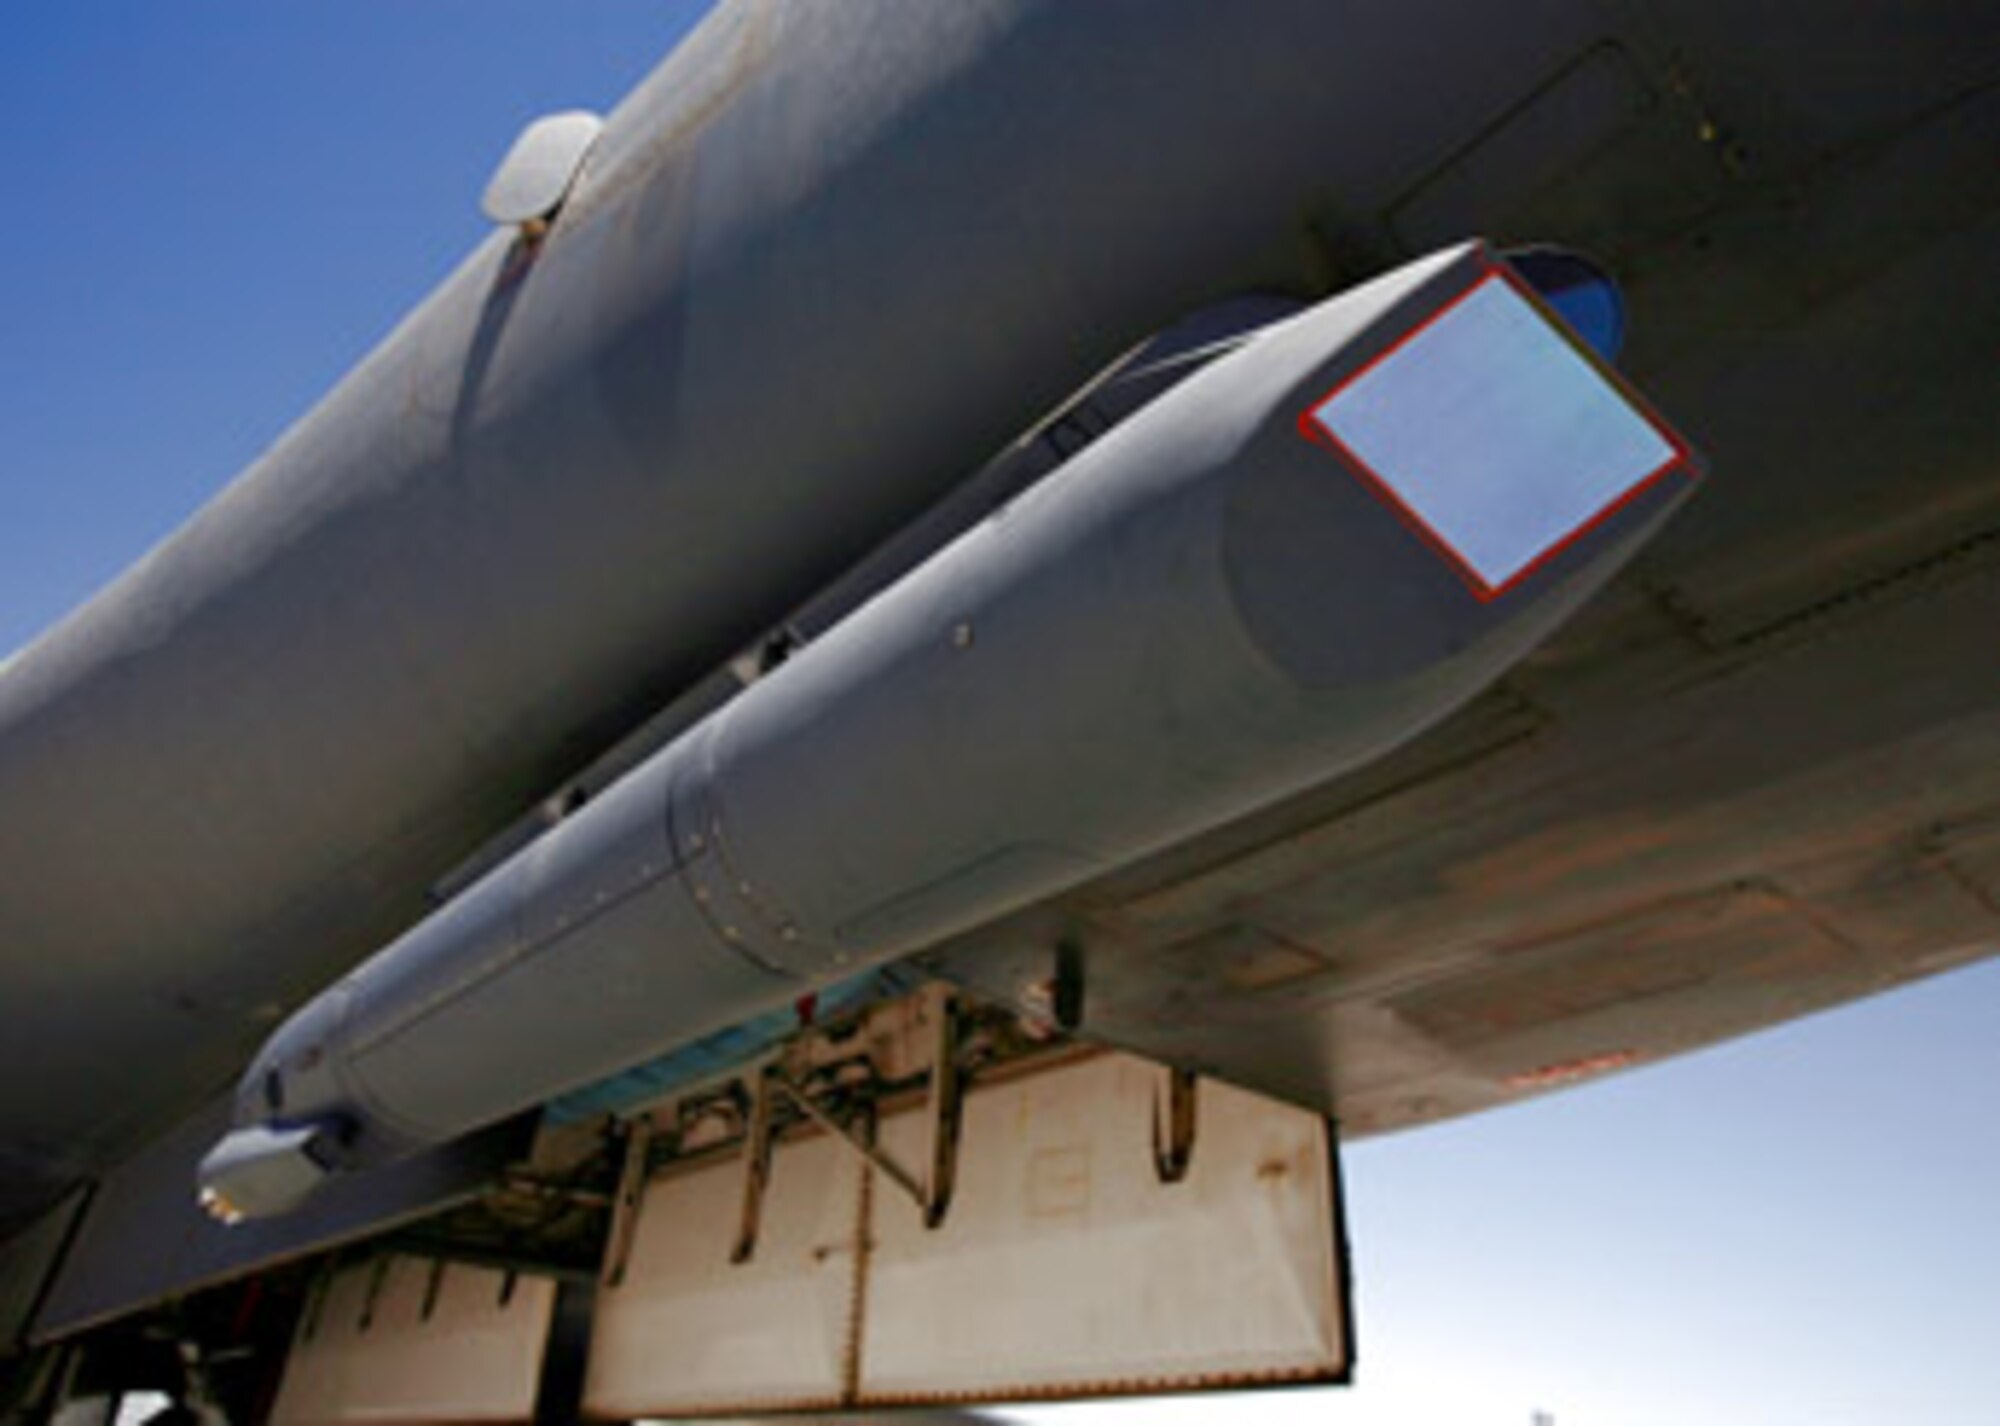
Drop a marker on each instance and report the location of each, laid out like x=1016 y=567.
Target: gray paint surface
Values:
x=1201 y=612
x=768 y=326
x=1778 y=730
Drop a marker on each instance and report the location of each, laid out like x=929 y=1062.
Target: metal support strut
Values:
x=756 y=1167
x=931 y=1194
x=1173 y=1140
x=631 y=1191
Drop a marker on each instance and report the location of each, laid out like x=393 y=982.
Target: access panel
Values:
x=1109 y=1229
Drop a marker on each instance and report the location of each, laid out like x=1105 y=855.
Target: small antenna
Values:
x=539 y=171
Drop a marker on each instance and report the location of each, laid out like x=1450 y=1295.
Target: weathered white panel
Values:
x=1066 y=1265
x=449 y=1343
x=688 y=1332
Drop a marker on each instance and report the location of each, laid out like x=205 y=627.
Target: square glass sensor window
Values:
x=1490 y=432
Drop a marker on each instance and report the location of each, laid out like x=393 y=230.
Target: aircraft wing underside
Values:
x=1752 y=776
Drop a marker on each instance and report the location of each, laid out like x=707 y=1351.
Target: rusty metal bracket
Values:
x=944 y=1102
x=756 y=1166
x=378 y=1277
x=859 y=1141
x=931 y=1194
x=1173 y=1141
x=631 y=1193
x=433 y=1288
x=943 y=1110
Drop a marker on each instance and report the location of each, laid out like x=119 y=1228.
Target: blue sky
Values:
x=219 y=205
